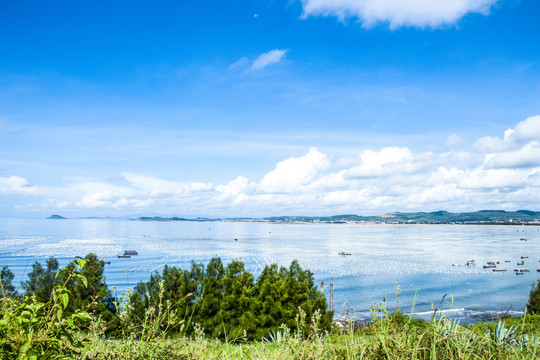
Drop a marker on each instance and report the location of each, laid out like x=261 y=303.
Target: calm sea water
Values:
x=418 y=258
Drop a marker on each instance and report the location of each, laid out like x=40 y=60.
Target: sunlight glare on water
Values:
x=419 y=258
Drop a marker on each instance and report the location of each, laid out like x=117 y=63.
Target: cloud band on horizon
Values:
x=494 y=173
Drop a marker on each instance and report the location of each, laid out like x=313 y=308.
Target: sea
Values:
x=420 y=269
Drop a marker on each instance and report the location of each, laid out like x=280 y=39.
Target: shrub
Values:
x=30 y=329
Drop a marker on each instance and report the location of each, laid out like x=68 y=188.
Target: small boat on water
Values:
x=130 y=252
x=523 y=239
x=521 y=263
x=489 y=266
x=524 y=257
x=538 y=270
x=524 y=270
x=344 y=253
x=519 y=273
x=107 y=262
x=124 y=256
x=498 y=270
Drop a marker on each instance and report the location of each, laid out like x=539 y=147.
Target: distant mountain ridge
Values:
x=490 y=217
x=436 y=217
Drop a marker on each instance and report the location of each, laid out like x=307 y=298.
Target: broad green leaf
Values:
x=26 y=313
x=65 y=299
x=23 y=350
x=83 y=279
x=81 y=263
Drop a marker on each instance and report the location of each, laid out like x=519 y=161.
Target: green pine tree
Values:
x=210 y=314
x=94 y=296
x=41 y=281
x=268 y=293
x=237 y=301
x=533 y=306
x=6 y=278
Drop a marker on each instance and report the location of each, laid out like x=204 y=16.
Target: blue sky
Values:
x=260 y=108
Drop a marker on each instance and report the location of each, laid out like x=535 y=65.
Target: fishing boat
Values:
x=521 y=263
x=498 y=270
x=124 y=256
x=489 y=266
x=130 y=252
x=344 y=253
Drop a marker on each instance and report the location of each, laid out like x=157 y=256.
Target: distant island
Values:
x=56 y=217
x=483 y=217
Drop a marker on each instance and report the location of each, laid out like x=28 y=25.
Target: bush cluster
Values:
x=227 y=301
x=224 y=301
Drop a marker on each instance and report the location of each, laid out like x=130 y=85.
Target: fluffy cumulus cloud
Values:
x=294 y=174
x=397 y=13
x=497 y=172
x=518 y=146
x=268 y=58
x=16 y=185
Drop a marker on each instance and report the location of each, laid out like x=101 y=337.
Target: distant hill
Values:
x=157 y=218
x=56 y=217
x=487 y=217
x=494 y=217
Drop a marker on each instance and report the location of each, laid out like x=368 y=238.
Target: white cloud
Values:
x=527 y=130
x=454 y=140
x=376 y=163
x=236 y=189
x=16 y=185
x=268 y=58
x=243 y=61
x=159 y=187
x=524 y=132
x=97 y=194
x=527 y=156
x=292 y=174
x=491 y=144
x=398 y=13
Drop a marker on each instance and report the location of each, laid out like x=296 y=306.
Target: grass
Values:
x=444 y=340
x=390 y=336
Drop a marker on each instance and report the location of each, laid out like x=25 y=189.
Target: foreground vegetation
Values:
x=219 y=312
x=394 y=337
